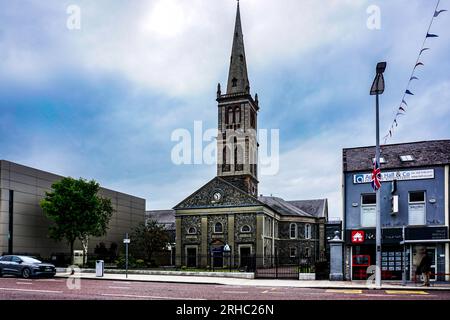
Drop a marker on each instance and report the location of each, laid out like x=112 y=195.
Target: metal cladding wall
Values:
x=434 y=188
x=30 y=224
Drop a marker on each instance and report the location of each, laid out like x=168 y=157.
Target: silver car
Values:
x=25 y=267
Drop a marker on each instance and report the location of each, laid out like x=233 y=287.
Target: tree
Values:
x=77 y=212
x=148 y=238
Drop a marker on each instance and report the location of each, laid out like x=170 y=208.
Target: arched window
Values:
x=252 y=120
x=224 y=155
x=230 y=116
x=293 y=231
x=192 y=230
x=241 y=57
x=235 y=151
x=246 y=229
x=218 y=228
x=234 y=82
x=307 y=231
x=237 y=115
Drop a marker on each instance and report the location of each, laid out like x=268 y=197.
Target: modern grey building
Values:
x=414 y=208
x=24 y=227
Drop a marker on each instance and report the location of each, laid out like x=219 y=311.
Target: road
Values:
x=48 y=289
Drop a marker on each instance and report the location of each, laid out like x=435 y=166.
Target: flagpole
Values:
x=378 y=198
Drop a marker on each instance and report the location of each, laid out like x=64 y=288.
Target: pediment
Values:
x=217 y=193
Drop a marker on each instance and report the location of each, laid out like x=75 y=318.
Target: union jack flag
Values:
x=376 y=176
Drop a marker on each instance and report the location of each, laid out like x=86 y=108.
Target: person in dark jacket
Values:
x=425 y=269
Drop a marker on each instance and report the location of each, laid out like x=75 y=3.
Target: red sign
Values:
x=358 y=236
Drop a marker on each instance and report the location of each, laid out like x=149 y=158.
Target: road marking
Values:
x=24 y=282
x=122 y=282
x=235 y=292
x=146 y=297
x=406 y=292
x=48 y=280
x=31 y=290
x=346 y=291
x=119 y=287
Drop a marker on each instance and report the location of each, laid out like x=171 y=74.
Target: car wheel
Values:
x=1 y=273
x=26 y=273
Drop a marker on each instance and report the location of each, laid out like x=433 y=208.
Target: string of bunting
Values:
x=401 y=111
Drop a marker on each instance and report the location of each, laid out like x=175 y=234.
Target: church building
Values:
x=226 y=214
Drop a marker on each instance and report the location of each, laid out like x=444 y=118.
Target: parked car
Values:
x=25 y=267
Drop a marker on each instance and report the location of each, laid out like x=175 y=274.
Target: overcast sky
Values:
x=102 y=101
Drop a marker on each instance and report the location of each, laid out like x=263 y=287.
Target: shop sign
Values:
x=368 y=236
x=358 y=236
x=427 y=233
x=395 y=175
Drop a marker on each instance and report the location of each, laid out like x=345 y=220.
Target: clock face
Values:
x=217 y=196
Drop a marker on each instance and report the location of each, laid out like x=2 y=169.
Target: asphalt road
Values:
x=59 y=289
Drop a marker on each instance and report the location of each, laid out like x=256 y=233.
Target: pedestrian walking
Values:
x=425 y=268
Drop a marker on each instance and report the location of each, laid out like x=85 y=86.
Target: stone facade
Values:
x=249 y=225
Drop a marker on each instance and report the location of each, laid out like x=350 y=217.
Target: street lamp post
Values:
x=376 y=90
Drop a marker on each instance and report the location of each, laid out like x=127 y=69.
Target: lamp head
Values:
x=381 y=66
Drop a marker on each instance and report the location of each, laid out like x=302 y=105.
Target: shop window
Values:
x=368 y=210
x=218 y=228
x=416 y=208
x=293 y=252
x=307 y=231
x=293 y=231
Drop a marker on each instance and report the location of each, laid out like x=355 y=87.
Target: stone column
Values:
x=259 y=240
x=336 y=258
x=204 y=242
x=178 y=242
x=231 y=239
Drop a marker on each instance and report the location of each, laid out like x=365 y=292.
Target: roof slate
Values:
x=425 y=153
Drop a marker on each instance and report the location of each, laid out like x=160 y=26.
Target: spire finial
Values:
x=237 y=76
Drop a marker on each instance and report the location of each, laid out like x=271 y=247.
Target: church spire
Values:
x=237 y=76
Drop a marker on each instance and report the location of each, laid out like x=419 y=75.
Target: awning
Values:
x=426 y=241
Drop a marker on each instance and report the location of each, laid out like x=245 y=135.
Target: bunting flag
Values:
x=436 y=13
x=401 y=111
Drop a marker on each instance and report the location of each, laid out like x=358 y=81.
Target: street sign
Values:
x=126 y=241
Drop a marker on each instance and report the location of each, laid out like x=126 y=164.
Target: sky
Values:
x=101 y=99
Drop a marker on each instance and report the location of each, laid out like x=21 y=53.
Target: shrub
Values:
x=140 y=263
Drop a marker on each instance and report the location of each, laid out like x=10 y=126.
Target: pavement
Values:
x=318 y=284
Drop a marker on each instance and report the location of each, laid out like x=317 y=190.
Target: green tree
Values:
x=77 y=212
x=148 y=238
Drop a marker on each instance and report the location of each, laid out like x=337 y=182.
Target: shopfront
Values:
x=397 y=255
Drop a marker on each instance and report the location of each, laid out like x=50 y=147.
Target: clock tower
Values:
x=237 y=146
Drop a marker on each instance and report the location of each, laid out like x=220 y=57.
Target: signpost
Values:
x=126 y=241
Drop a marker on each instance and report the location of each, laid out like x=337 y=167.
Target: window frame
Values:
x=295 y=230
x=424 y=203
x=249 y=229
x=221 y=227
x=290 y=252
x=364 y=206
x=308 y=231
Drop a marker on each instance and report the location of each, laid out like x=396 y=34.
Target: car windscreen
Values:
x=29 y=260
